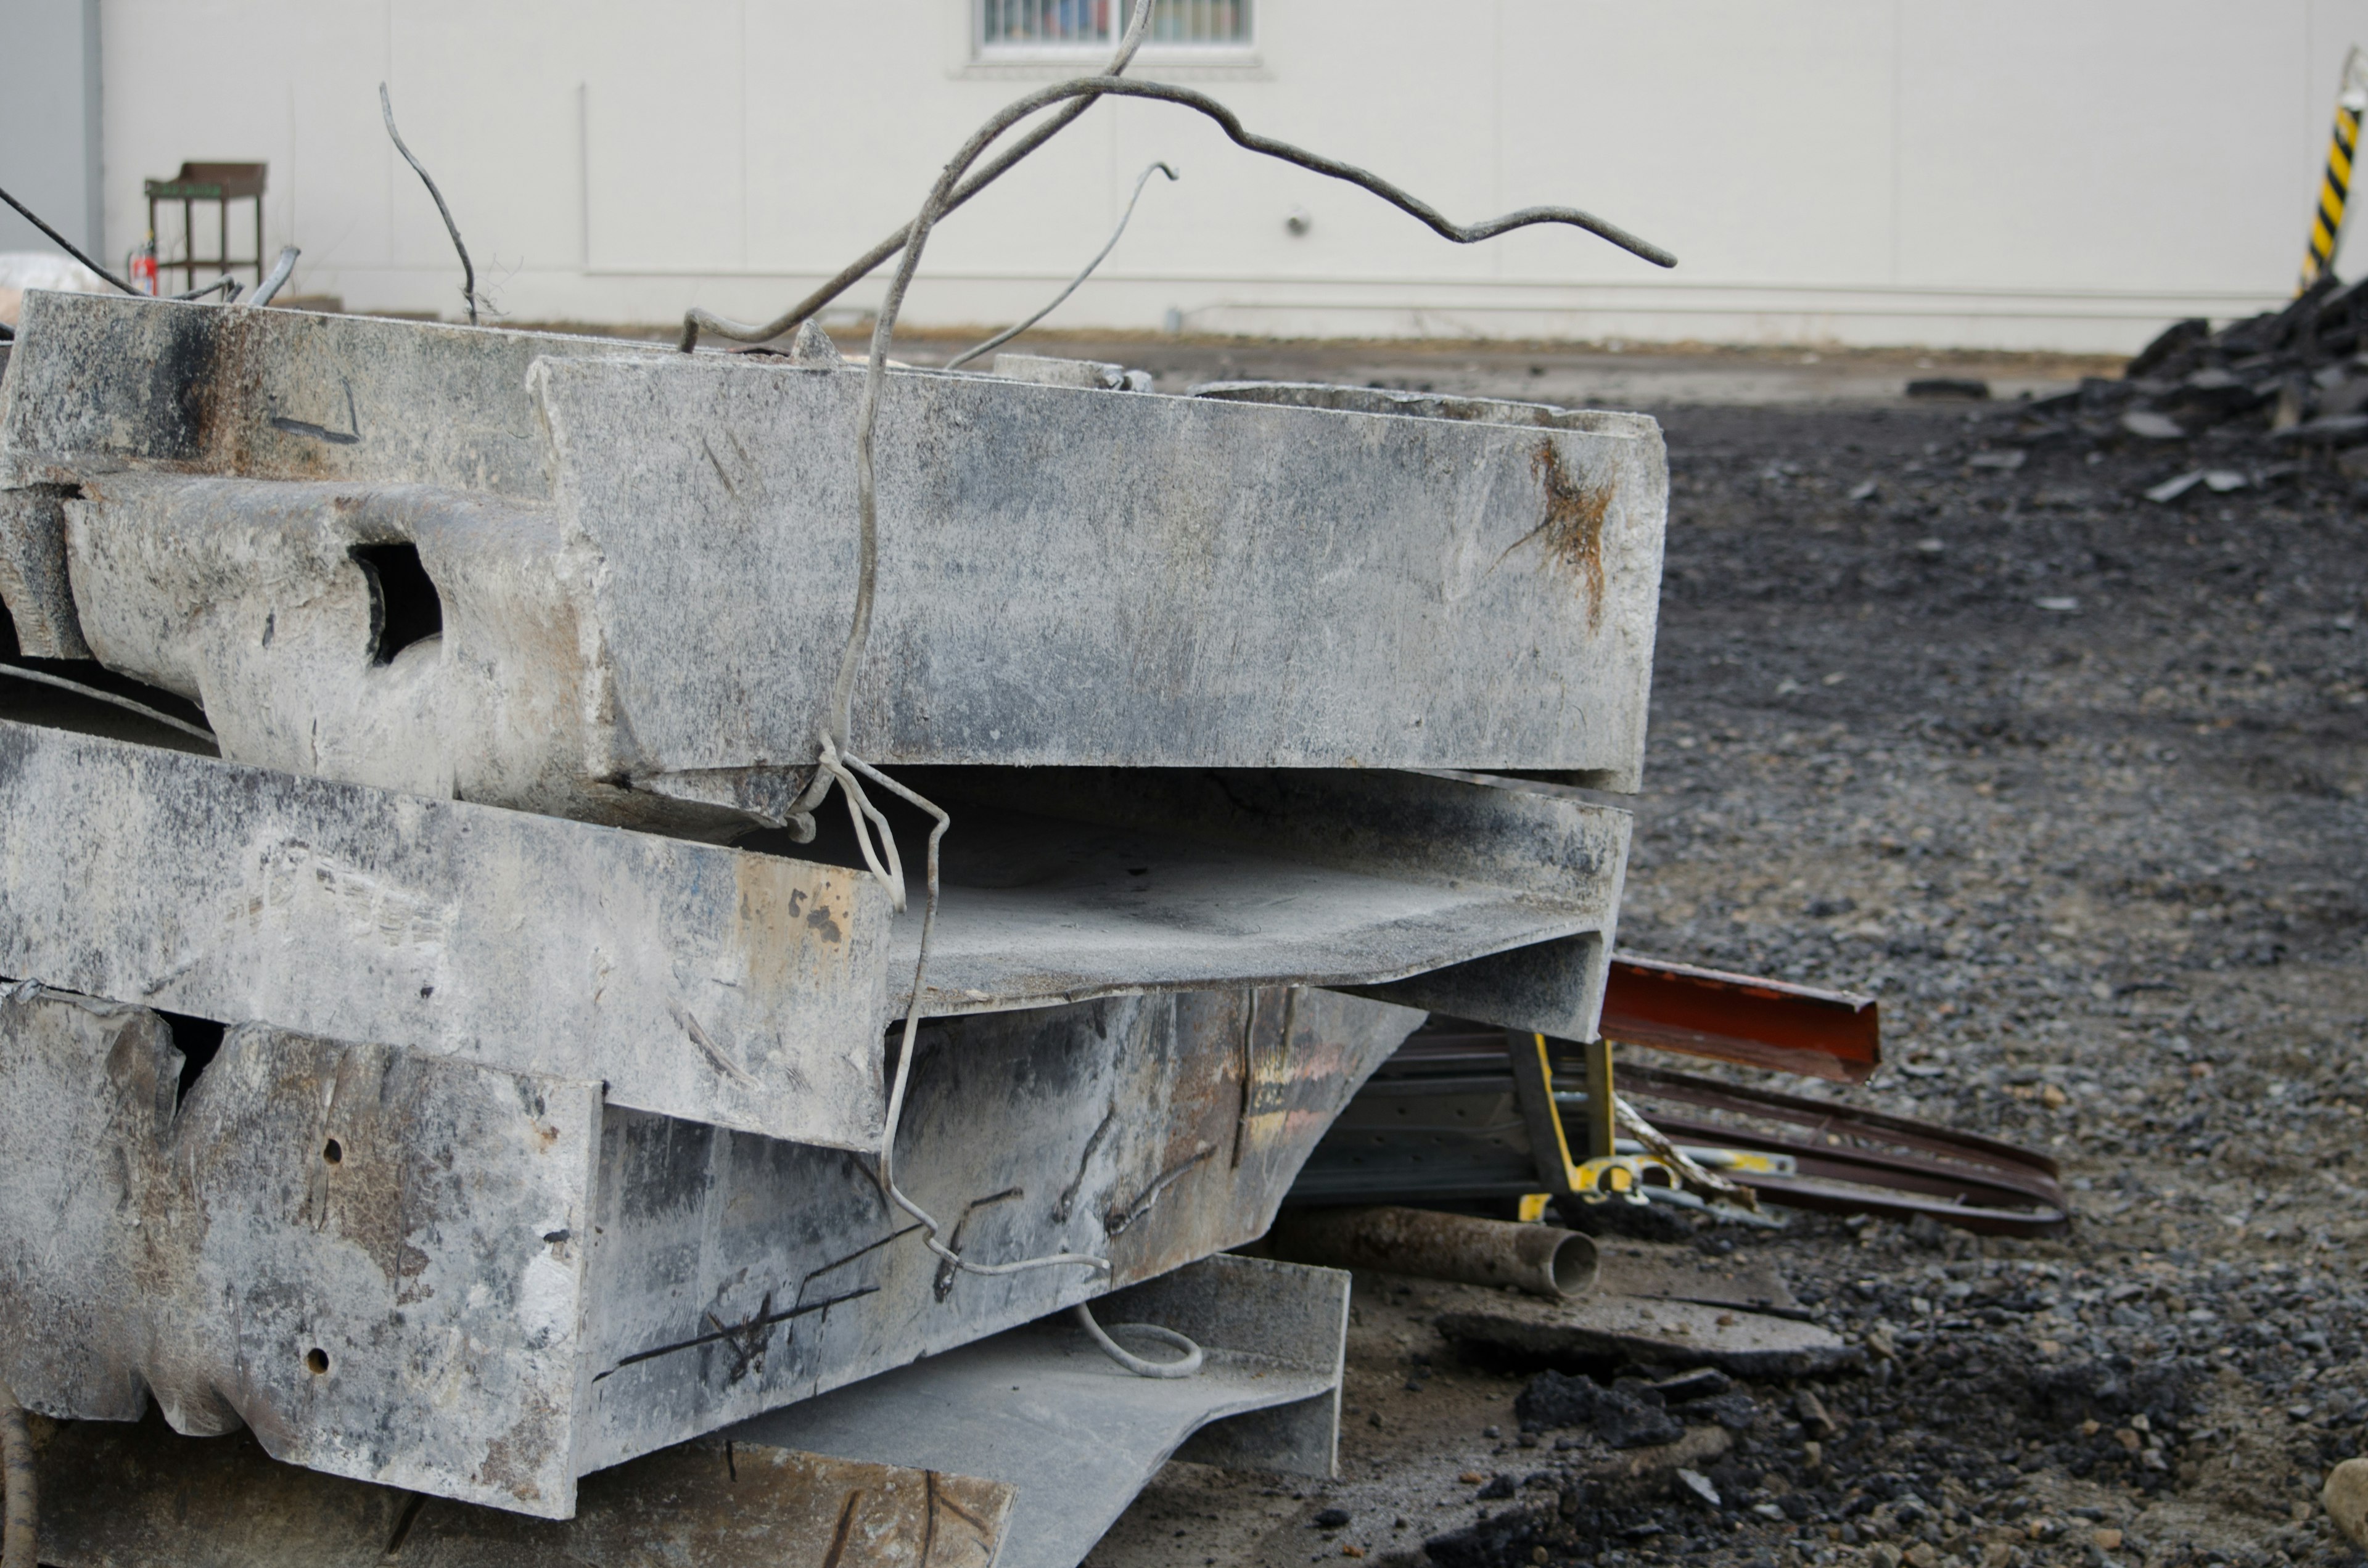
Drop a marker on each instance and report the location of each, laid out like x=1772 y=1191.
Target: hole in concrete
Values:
x=197 y=1039
x=334 y=1152
x=317 y=1359
x=405 y=606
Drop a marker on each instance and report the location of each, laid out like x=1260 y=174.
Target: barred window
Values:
x=1035 y=25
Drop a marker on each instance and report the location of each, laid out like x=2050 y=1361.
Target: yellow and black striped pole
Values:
x=2335 y=185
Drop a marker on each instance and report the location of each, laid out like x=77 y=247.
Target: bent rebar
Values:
x=467 y=268
x=696 y=321
x=1007 y=334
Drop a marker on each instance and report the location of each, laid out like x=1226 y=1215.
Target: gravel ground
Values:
x=2074 y=782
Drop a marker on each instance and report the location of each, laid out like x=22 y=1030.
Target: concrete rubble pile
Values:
x=2290 y=380
x=461 y=1060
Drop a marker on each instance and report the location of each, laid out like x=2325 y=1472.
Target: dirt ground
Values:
x=1945 y=710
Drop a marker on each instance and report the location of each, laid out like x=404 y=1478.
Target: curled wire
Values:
x=1007 y=334
x=837 y=761
x=467 y=268
x=695 y=322
x=932 y=1229
x=1185 y=1367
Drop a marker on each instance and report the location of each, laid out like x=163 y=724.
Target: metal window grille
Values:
x=1091 y=24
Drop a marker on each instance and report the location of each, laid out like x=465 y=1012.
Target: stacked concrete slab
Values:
x=468 y=1075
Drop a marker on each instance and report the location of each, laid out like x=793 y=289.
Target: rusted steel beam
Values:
x=1743 y=1018
x=1442 y=1122
x=1852 y=1161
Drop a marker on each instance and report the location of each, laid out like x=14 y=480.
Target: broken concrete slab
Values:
x=102 y=382
x=711 y=984
x=142 y=1497
x=1067 y=576
x=420 y=1272
x=1174 y=582
x=1080 y=1436
x=33 y=581
x=1656 y=1332
x=741 y=1274
x=405 y=637
x=1495 y=896
x=323 y=1243
x=1351 y=878
x=1658 y=1271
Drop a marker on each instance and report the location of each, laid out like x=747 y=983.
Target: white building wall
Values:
x=2043 y=174
x=49 y=121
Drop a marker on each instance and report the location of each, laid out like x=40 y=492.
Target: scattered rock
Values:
x=1621 y=1416
x=1949 y=387
x=1698 y=1484
x=1330 y=1519
x=1499 y=1487
x=2171 y=489
x=2346 y=1496
x=2150 y=426
x=1737 y=1412
x=1702 y=1382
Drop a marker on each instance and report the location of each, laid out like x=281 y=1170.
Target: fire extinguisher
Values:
x=142 y=265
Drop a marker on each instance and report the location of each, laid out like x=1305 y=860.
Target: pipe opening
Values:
x=404 y=605
x=1573 y=1265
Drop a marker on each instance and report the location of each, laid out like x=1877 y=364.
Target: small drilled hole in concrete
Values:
x=333 y=1152
x=317 y=1359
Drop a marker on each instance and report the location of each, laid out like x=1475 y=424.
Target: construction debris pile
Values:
x=447 y=1038
x=2295 y=379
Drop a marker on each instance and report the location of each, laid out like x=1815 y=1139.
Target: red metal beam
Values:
x=1743 y=1018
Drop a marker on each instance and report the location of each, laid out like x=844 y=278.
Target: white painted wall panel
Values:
x=1986 y=173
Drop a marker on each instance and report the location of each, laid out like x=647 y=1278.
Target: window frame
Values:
x=983 y=51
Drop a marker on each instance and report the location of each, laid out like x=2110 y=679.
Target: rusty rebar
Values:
x=1009 y=333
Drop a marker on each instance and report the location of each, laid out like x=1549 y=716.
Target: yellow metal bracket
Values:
x=1550 y=1142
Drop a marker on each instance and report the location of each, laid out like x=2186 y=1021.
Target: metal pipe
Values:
x=1541 y=1259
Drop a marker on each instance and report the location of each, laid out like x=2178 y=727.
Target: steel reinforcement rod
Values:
x=1089 y=89
x=695 y=320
